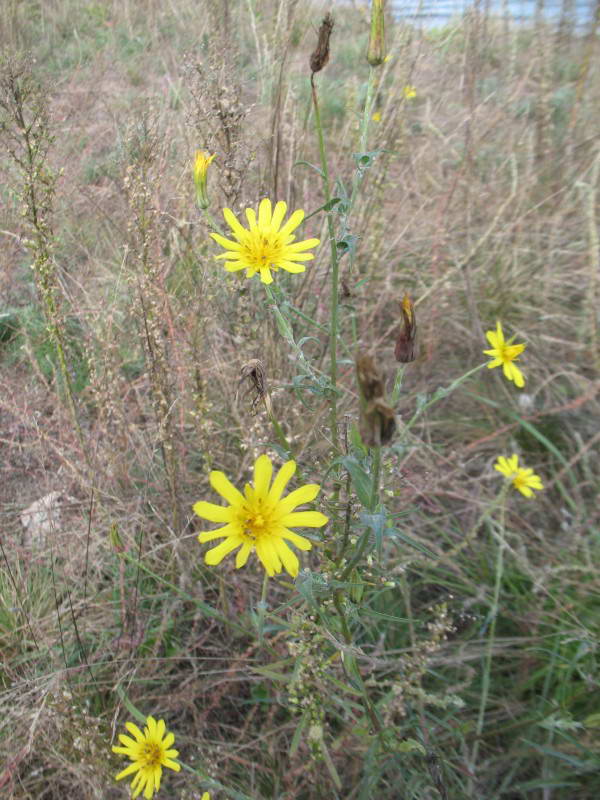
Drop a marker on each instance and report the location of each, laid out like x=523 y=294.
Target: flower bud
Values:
x=201 y=165
x=406 y=342
x=376 y=49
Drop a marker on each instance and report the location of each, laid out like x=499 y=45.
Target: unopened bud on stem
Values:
x=376 y=50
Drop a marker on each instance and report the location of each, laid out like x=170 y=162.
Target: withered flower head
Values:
x=369 y=379
x=320 y=55
x=254 y=371
x=406 y=344
x=377 y=421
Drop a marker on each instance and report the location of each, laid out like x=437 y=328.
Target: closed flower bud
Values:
x=406 y=343
x=376 y=49
x=201 y=164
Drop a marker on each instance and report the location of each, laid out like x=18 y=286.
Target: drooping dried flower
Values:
x=320 y=55
x=377 y=420
x=254 y=371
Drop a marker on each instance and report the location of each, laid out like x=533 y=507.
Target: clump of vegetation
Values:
x=298 y=399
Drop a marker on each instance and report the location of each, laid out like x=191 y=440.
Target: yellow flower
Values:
x=266 y=245
x=376 y=116
x=205 y=796
x=150 y=752
x=260 y=518
x=201 y=165
x=409 y=92
x=522 y=479
x=504 y=353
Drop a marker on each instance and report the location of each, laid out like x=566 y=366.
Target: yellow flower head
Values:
x=266 y=245
x=522 y=479
x=201 y=165
x=150 y=752
x=260 y=519
x=376 y=116
x=205 y=796
x=504 y=354
x=409 y=92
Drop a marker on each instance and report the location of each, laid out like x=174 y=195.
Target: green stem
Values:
x=334 y=323
x=262 y=608
x=351 y=666
x=376 y=461
x=364 y=134
x=212 y=223
x=487 y=667
x=283 y=441
x=397 y=386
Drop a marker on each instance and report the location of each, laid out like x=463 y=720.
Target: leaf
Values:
x=361 y=482
x=377 y=523
x=411 y=746
x=364 y=161
x=347 y=244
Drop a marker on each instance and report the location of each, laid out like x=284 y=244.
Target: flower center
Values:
x=519 y=481
x=263 y=250
x=151 y=754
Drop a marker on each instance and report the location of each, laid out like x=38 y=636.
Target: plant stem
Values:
x=376 y=460
x=262 y=608
x=364 y=133
x=333 y=331
x=485 y=680
x=397 y=386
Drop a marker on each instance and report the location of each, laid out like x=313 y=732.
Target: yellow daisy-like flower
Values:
x=525 y=480
x=376 y=116
x=149 y=751
x=504 y=354
x=260 y=519
x=266 y=245
x=409 y=92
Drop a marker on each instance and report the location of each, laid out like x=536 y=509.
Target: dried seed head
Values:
x=369 y=380
x=377 y=421
x=406 y=343
x=320 y=55
x=254 y=371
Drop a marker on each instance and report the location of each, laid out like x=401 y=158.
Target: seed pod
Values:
x=320 y=55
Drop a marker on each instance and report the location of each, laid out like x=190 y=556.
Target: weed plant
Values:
x=404 y=600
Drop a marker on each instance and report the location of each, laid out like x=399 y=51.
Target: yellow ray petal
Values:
x=263 y=471
x=292 y=223
x=264 y=213
x=213 y=512
x=304 y=519
x=305 y=494
x=288 y=558
x=281 y=480
x=221 y=484
x=218 y=553
x=278 y=215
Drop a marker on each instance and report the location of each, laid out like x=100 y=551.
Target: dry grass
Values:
x=482 y=203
